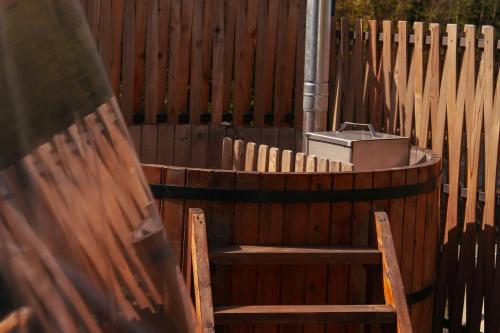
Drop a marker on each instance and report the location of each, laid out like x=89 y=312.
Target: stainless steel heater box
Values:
x=365 y=149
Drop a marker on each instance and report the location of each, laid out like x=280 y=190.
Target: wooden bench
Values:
x=392 y=313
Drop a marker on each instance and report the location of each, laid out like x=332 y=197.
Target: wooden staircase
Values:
x=393 y=315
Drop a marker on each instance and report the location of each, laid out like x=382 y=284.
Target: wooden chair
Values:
x=393 y=314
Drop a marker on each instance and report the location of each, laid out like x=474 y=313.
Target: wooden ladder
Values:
x=393 y=314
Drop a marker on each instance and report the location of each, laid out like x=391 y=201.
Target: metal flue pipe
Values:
x=316 y=65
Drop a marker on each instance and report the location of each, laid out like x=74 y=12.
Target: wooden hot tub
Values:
x=321 y=208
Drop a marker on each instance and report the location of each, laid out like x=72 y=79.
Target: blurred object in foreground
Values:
x=81 y=242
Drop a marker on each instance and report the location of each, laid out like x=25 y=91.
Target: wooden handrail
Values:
x=394 y=293
x=201 y=269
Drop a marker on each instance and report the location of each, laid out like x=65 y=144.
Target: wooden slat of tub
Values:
x=340 y=235
x=227 y=154
x=263 y=158
x=245 y=231
x=270 y=233
x=238 y=155
x=419 y=253
x=410 y=206
x=300 y=162
x=173 y=210
x=199 y=146
x=396 y=213
x=274 y=160
x=166 y=143
x=216 y=134
x=287 y=161
x=182 y=145
x=293 y=278
x=318 y=234
x=359 y=237
x=250 y=157
x=149 y=143
x=244 y=58
x=221 y=234
x=311 y=162
x=334 y=166
x=322 y=164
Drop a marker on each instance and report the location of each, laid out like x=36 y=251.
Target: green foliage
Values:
x=478 y=12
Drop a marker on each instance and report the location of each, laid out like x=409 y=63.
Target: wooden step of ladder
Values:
x=282 y=255
x=393 y=313
x=302 y=314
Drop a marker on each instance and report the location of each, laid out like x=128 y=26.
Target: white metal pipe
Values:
x=316 y=65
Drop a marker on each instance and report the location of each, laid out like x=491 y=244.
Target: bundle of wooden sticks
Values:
x=81 y=241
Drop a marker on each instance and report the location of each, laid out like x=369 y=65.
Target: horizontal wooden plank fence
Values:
x=198 y=64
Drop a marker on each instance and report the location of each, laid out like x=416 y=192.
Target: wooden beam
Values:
x=394 y=293
x=266 y=255
x=201 y=270
x=293 y=314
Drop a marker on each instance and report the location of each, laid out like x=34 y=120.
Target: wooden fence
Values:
x=193 y=60
x=241 y=62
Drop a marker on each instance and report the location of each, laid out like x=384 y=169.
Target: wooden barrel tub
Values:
x=332 y=208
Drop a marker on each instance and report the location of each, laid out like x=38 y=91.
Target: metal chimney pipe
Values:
x=316 y=65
